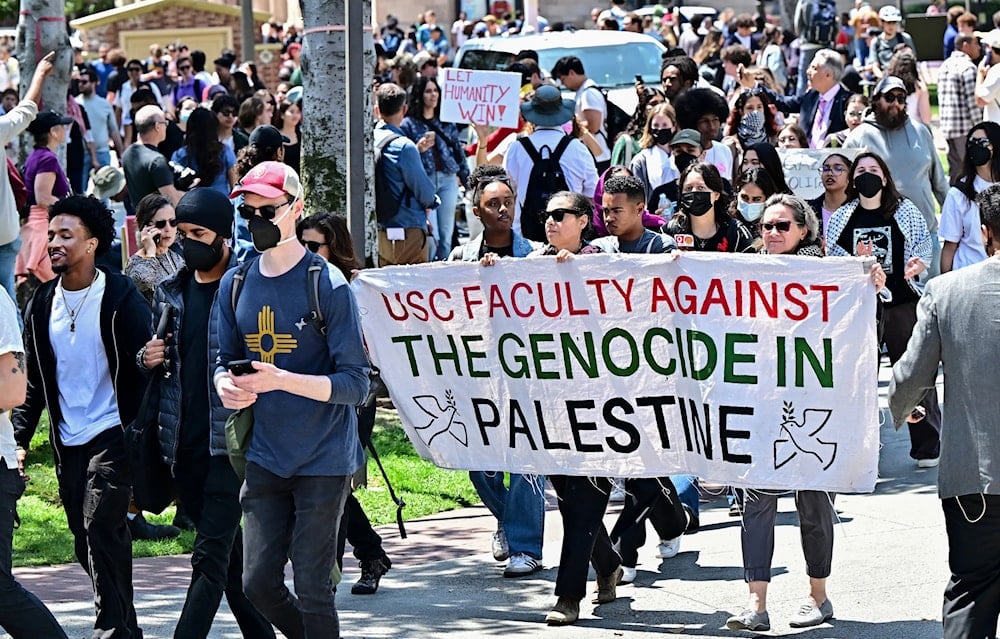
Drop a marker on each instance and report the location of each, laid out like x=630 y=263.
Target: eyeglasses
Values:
x=838 y=169
x=313 y=246
x=557 y=215
x=227 y=113
x=894 y=97
x=268 y=211
x=162 y=224
x=782 y=225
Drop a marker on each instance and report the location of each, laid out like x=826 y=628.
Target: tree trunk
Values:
x=325 y=138
x=42 y=28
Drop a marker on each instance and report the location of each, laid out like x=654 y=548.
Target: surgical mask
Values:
x=265 y=233
x=979 y=155
x=751 y=211
x=200 y=256
x=683 y=161
x=662 y=136
x=868 y=184
x=696 y=203
x=184 y=116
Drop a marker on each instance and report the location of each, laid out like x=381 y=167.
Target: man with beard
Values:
x=908 y=150
x=82 y=331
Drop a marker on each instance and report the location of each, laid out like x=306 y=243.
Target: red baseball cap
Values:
x=270 y=180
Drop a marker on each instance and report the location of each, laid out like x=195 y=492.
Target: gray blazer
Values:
x=957 y=325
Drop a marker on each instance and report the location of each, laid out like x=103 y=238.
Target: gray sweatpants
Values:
x=815 y=523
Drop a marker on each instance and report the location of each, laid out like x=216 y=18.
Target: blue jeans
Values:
x=104 y=157
x=296 y=518
x=687 y=491
x=21 y=613
x=8 y=257
x=444 y=221
x=520 y=509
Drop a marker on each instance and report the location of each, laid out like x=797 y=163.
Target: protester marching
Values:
x=593 y=277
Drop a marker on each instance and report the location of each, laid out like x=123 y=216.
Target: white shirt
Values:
x=989 y=92
x=820 y=125
x=721 y=158
x=591 y=99
x=86 y=392
x=960 y=224
x=577 y=164
x=10 y=342
x=124 y=101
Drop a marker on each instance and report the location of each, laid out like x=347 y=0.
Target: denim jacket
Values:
x=415 y=128
x=406 y=173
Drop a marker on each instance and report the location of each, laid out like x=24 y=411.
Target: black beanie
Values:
x=206 y=207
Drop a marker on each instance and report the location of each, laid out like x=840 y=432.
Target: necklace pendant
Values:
x=72 y=326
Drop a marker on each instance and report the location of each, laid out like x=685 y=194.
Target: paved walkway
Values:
x=889 y=572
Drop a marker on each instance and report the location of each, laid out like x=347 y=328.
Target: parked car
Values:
x=687 y=12
x=612 y=59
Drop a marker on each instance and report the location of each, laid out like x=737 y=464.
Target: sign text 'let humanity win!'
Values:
x=755 y=371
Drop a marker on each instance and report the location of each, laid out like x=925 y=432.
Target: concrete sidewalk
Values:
x=889 y=572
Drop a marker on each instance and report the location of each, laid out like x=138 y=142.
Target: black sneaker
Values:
x=182 y=521
x=371 y=573
x=142 y=529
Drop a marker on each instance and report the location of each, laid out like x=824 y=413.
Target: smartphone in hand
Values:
x=241 y=367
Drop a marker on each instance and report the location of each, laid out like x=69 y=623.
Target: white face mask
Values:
x=751 y=211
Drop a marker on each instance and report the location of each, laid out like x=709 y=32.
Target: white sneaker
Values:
x=521 y=564
x=928 y=463
x=617 y=490
x=628 y=575
x=668 y=548
x=500 y=548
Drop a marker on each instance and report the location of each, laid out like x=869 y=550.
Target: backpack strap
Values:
x=239 y=278
x=380 y=146
x=315 y=317
x=530 y=149
x=561 y=147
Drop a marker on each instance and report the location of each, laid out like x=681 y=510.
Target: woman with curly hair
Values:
x=205 y=154
x=903 y=65
x=441 y=154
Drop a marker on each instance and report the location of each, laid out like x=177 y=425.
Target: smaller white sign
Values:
x=802 y=169
x=480 y=97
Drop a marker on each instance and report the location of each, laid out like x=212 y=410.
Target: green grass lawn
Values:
x=44 y=538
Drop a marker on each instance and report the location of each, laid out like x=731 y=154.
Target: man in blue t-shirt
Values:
x=307 y=377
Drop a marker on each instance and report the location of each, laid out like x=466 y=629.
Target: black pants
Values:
x=652 y=499
x=972 y=598
x=582 y=502
x=895 y=327
x=22 y=615
x=356 y=528
x=209 y=489
x=95 y=486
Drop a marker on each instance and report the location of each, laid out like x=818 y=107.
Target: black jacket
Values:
x=125 y=321
x=171 y=292
x=807 y=105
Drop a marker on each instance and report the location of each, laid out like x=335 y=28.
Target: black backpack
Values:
x=386 y=204
x=616 y=120
x=546 y=178
x=821 y=26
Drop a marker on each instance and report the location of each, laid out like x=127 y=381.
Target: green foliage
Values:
x=44 y=537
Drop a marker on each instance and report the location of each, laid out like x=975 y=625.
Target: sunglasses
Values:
x=894 y=97
x=162 y=224
x=782 y=225
x=313 y=246
x=227 y=113
x=268 y=211
x=557 y=215
x=135 y=69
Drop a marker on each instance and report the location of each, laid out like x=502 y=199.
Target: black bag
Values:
x=152 y=487
x=616 y=120
x=821 y=26
x=546 y=178
x=386 y=204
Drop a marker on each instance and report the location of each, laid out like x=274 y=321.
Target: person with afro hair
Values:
x=705 y=111
x=82 y=332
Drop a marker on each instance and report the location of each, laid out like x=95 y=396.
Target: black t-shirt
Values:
x=196 y=412
x=887 y=241
x=146 y=170
x=501 y=251
x=733 y=237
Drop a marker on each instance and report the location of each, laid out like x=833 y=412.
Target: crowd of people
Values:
x=224 y=273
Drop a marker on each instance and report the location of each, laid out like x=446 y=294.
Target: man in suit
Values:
x=821 y=108
x=956 y=326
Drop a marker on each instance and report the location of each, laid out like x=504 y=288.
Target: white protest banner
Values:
x=754 y=371
x=802 y=169
x=480 y=97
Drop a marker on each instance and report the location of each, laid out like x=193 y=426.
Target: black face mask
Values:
x=200 y=256
x=662 y=136
x=979 y=155
x=868 y=184
x=683 y=161
x=265 y=234
x=696 y=203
